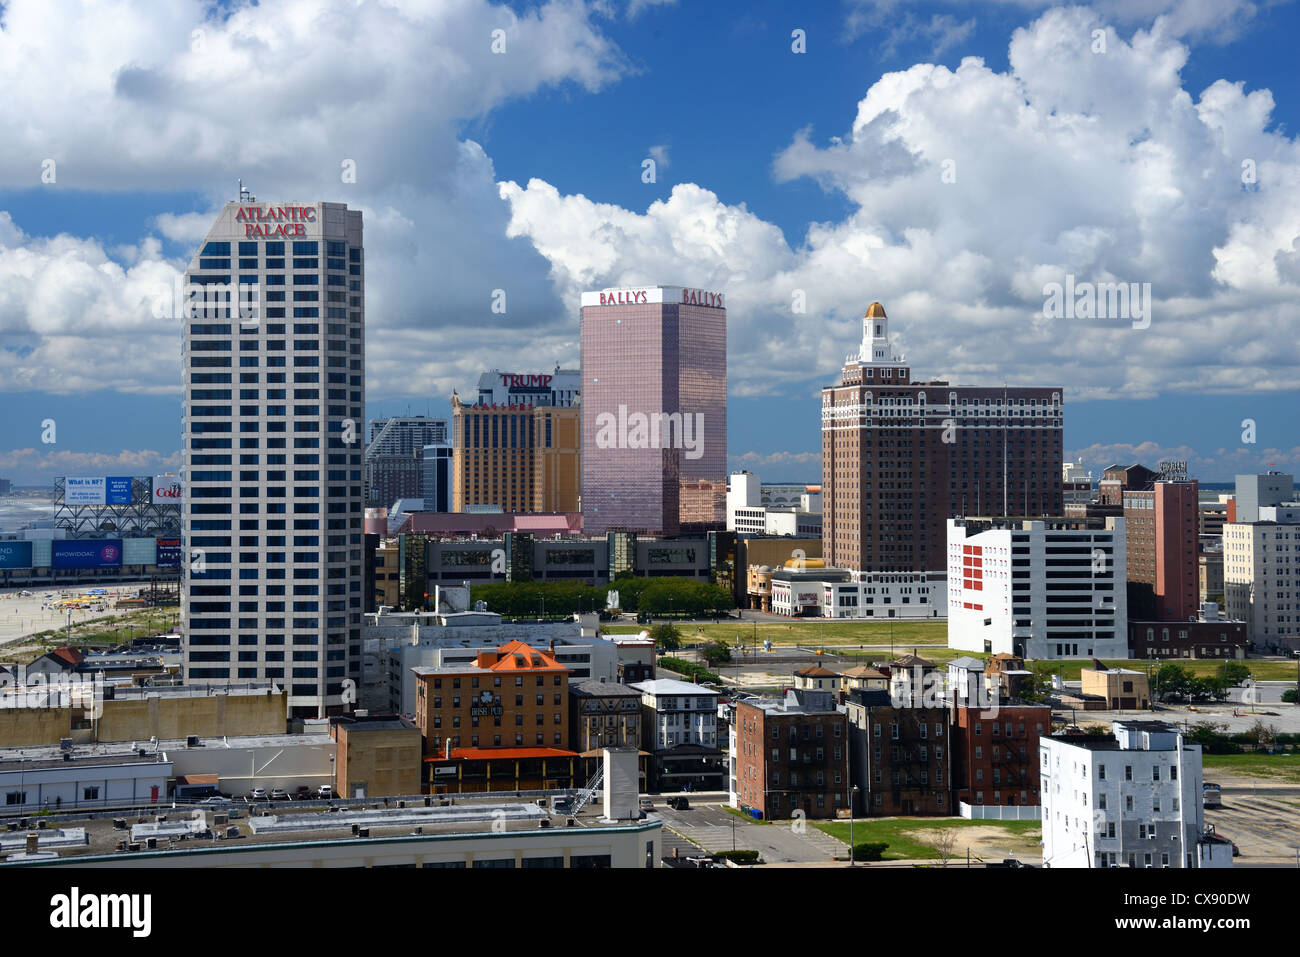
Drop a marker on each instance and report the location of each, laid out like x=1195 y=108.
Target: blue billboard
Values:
x=169 y=553
x=15 y=554
x=86 y=553
x=117 y=490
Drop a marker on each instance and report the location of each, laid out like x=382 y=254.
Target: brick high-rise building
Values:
x=1162 y=525
x=900 y=457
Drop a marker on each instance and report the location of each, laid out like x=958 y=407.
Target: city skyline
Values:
x=802 y=226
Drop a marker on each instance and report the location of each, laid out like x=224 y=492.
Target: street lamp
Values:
x=853 y=800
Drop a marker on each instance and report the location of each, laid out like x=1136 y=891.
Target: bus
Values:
x=1212 y=795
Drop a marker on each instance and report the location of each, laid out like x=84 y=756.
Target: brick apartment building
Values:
x=995 y=757
x=900 y=457
x=501 y=724
x=899 y=756
x=792 y=755
x=1162 y=529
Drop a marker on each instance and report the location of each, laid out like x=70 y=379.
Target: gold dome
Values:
x=875 y=311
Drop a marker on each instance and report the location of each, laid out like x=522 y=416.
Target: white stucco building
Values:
x=1131 y=800
x=1038 y=588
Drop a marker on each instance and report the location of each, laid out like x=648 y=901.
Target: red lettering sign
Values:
x=698 y=297
x=629 y=297
x=515 y=381
x=292 y=214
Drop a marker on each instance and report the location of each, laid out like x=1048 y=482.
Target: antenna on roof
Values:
x=245 y=195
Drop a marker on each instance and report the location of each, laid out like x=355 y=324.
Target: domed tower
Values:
x=875 y=336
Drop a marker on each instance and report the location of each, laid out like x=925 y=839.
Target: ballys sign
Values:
x=698 y=297
x=271 y=221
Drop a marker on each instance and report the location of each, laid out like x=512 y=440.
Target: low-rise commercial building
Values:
x=377 y=755
x=1123 y=689
x=45 y=710
x=499 y=724
x=1207 y=636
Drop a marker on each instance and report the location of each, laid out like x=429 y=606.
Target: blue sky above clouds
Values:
x=777 y=172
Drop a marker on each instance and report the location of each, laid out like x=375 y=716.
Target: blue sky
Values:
x=524 y=172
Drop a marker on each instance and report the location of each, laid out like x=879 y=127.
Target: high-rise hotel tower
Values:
x=274 y=377
x=654 y=411
x=901 y=457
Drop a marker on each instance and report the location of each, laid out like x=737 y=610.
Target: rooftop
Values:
x=594 y=687
x=442 y=819
x=671 y=686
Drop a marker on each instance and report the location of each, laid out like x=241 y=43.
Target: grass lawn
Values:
x=1278 y=767
x=906 y=835
x=808 y=633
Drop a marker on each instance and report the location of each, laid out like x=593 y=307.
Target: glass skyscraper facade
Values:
x=274 y=378
x=654 y=410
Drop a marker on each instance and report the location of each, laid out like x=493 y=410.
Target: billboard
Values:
x=117 y=490
x=169 y=553
x=83 y=491
x=15 y=554
x=166 y=490
x=100 y=490
x=86 y=553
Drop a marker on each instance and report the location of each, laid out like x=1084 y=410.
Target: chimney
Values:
x=33 y=842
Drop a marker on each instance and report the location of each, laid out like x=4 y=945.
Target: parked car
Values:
x=647 y=804
x=679 y=803
x=302 y=793
x=216 y=799
x=279 y=794
x=257 y=794
x=325 y=791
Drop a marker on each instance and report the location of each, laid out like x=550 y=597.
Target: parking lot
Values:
x=1264 y=823
x=713 y=829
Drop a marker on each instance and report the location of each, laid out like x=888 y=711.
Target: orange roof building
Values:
x=501 y=723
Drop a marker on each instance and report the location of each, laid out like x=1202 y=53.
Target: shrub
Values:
x=1289 y=695
x=690 y=669
x=869 y=851
x=740 y=857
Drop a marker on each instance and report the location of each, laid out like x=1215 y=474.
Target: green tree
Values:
x=666 y=637
x=1213 y=688
x=1262 y=735
x=1290 y=695
x=1173 y=683
x=1210 y=737
x=1235 y=672
x=716 y=653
